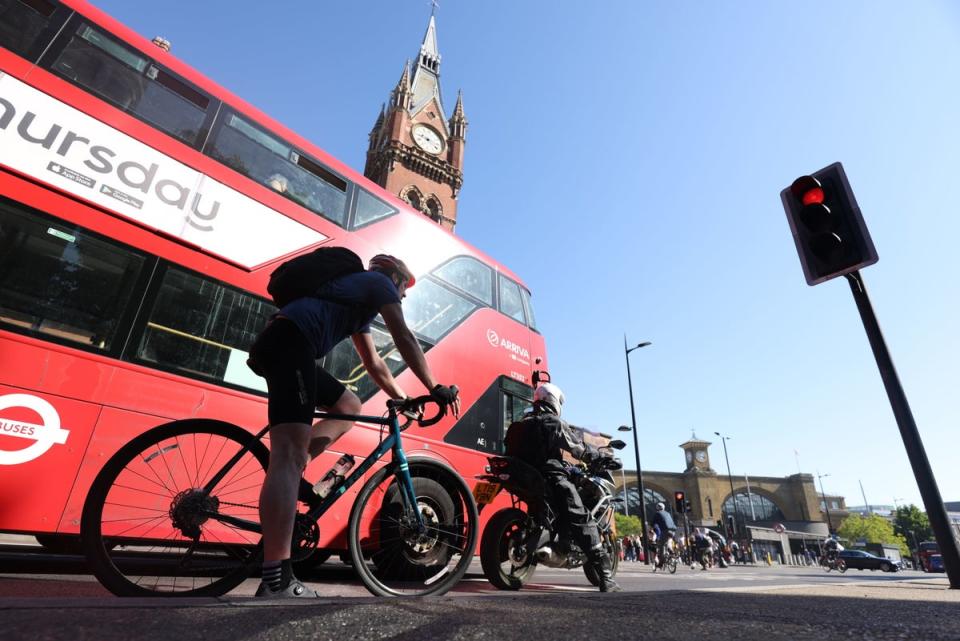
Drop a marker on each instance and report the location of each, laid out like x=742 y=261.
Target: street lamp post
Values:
x=733 y=496
x=826 y=504
x=636 y=445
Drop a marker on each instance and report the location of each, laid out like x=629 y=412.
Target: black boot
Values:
x=598 y=558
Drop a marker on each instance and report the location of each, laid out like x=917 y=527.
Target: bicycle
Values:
x=174 y=512
x=833 y=563
x=670 y=558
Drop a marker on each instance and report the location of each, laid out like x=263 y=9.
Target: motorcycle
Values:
x=517 y=540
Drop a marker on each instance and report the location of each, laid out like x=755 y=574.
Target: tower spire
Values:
x=458 y=121
x=401 y=93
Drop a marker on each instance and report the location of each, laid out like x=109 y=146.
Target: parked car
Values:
x=861 y=560
x=935 y=563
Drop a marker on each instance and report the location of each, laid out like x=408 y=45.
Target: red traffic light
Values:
x=678 y=496
x=808 y=190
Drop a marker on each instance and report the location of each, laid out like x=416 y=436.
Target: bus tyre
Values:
x=160 y=560
x=503 y=550
x=612 y=549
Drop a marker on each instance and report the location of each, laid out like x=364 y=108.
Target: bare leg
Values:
x=278 y=497
x=327 y=431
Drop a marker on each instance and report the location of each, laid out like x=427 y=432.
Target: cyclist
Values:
x=665 y=528
x=704 y=548
x=832 y=549
x=540 y=439
x=285 y=354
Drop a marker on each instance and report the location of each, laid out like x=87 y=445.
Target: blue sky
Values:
x=626 y=159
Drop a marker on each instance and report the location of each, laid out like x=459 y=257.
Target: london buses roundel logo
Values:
x=493 y=337
x=44 y=435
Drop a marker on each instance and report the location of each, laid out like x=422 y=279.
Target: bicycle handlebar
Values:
x=413 y=408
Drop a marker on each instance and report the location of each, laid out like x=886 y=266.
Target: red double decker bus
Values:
x=142 y=209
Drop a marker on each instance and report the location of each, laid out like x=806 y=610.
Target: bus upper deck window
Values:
x=270 y=161
x=132 y=82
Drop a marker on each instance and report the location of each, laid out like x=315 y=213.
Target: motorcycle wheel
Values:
x=503 y=553
x=612 y=547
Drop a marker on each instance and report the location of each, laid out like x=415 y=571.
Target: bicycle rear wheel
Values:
x=148 y=529
x=390 y=556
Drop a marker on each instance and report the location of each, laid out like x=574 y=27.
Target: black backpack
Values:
x=304 y=275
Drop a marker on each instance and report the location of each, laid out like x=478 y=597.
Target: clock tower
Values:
x=697 y=456
x=415 y=151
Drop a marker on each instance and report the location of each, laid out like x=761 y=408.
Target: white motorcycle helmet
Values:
x=661 y=507
x=550 y=397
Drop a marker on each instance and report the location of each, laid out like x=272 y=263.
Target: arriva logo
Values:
x=43 y=435
x=510 y=346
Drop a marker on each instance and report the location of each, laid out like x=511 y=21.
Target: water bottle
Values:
x=335 y=476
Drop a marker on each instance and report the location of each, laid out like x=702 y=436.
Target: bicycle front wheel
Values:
x=394 y=558
x=149 y=529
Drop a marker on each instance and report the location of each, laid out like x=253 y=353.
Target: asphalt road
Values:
x=29 y=571
x=51 y=598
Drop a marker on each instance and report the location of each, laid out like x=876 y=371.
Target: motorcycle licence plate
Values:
x=484 y=492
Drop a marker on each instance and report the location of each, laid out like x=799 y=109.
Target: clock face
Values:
x=689 y=457
x=701 y=456
x=427 y=139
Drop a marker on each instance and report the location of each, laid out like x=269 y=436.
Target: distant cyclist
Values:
x=665 y=528
x=832 y=549
x=285 y=354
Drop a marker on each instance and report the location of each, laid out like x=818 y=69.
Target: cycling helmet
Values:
x=550 y=397
x=392 y=265
x=661 y=507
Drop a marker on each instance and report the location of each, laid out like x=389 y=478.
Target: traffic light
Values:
x=678 y=498
x=686 y=506
x=827 y=227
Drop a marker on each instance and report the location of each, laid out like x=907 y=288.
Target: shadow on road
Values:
x=703 y=616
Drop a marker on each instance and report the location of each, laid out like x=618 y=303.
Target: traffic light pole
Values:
x=929 y=492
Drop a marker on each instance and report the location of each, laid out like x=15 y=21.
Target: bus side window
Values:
x=201 y=328
x=261 y=156
x=344 y=362
x=470 y=275
x=132 y=82
x=63 y=283
x=27 y=26
x=511 y=303
x=370 y=209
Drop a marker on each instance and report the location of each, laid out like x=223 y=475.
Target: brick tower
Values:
x=415 y=151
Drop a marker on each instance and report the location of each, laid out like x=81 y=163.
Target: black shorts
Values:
x=296 y=385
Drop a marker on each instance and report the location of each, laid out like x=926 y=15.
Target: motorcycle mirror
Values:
x=617 y=444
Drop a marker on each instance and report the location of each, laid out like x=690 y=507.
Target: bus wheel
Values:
x=60 y=543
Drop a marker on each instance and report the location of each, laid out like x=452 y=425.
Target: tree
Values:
x=872 y=529
x=627 y=525
x=912 y=524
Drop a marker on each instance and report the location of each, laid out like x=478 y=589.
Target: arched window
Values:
x=763 y=508
x=633 y=502
x=412 y=196
x=433 y=209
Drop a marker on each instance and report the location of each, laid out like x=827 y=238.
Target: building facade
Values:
x=415 y=151
x=783 y=515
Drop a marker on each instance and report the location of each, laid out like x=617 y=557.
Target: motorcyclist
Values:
x=665 y=527
x=540 y=439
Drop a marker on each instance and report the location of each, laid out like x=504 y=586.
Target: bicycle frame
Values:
x=391 y=442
